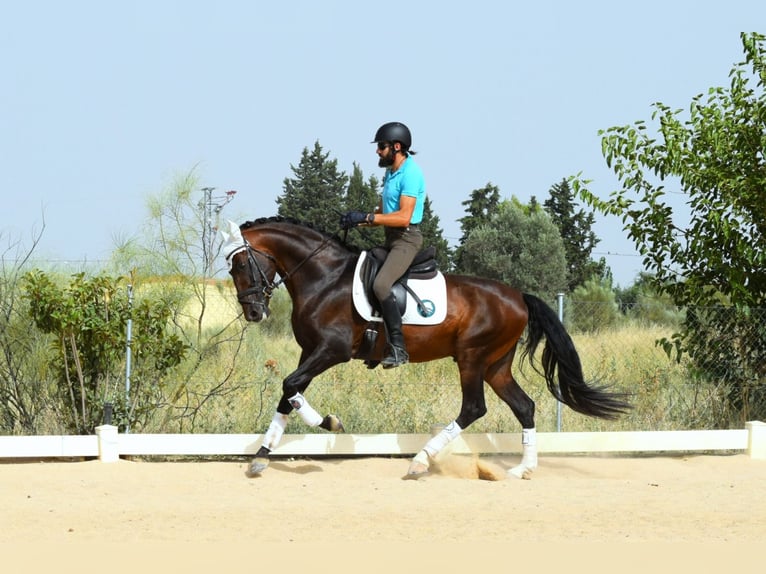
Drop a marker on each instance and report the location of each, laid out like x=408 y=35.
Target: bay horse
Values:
x=484 y=322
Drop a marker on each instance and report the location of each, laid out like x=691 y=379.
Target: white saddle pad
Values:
x=432 y=292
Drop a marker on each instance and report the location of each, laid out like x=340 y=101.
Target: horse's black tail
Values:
x=560 y=358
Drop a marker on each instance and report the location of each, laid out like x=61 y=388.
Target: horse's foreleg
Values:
x=311 y=365
x=311 y=417
x=293 y=399
x=270 y=441
x=277 y=428
x=275 y=431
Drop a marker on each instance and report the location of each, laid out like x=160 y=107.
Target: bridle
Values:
x=267 y=287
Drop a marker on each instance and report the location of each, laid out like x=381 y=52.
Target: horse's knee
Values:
x=289 y=390
x=291 y=386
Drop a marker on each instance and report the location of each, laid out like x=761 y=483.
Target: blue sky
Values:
x=105 y=103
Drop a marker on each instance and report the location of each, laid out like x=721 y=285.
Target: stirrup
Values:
x=397 y=356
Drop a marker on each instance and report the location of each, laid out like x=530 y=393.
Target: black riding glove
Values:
x=353 y=218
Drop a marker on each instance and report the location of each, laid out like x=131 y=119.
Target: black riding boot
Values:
x=396 y=353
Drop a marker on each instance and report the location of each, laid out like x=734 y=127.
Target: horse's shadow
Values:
x=292 y=468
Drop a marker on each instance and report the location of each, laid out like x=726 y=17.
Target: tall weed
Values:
x=413 y=398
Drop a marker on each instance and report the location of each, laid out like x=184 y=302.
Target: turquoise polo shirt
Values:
x=407 y=180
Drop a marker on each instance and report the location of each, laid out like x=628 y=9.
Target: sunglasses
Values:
x=383 y=145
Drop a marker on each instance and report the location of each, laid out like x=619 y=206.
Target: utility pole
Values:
x=211 y=207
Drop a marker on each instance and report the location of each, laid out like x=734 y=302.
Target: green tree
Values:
x=655 y=309
x=641 y=302
x=523 y=250
x=593 y=306
x=317 y=192
x=363 y=196
x=87 y=320
x=480 y=207
x=716 y=264
x=627 y=297
x=575 y=227
x=433 y=235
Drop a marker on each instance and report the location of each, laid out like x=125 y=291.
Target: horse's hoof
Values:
x=521 y=471
x=332 y=424
x=257 y=466
x=416 y=470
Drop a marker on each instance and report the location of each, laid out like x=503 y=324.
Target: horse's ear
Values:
x=234 y=235
x=232 y=241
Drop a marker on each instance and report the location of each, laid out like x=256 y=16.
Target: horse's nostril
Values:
x=253 y=315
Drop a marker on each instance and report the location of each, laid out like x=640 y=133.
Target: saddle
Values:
x=424 y=266
x=429 y=295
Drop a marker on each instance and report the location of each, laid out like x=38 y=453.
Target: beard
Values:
x=386 y=160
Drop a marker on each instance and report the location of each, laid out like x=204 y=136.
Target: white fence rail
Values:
x=108 y=445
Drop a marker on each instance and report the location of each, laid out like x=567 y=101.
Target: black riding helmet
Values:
x=394 y=132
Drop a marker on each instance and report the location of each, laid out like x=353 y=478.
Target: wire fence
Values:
x=719 y=383
x=626 y=348
x=631 y=348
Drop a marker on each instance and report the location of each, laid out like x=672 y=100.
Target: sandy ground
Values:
x=570 y=501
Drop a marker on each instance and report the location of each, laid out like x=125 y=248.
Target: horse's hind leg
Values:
x=473 y=408
x=505 y=386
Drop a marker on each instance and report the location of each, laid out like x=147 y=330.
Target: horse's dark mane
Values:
x=273 y=219
x=292 y=221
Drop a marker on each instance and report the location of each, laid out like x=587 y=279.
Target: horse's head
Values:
x=253 y=273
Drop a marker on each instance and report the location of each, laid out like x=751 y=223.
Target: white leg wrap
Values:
x=529 y=448
x=528 y=455
x=305 y=410
x=445 y=436
x=274 y=433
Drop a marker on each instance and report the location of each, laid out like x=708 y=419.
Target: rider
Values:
x=400 y=211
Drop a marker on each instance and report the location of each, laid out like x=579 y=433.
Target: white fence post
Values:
x=108 y=443
x=756 y=439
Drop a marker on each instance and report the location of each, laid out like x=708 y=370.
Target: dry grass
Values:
x=417 y=396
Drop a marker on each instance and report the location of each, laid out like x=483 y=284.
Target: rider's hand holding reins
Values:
x=354 y=218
